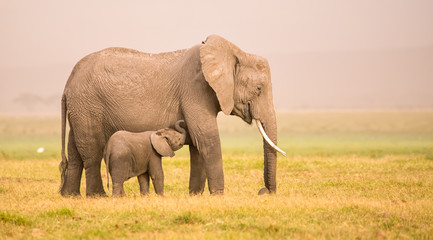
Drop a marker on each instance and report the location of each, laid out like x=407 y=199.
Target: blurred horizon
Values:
x=329 y=55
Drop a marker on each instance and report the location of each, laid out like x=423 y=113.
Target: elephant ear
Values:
x=218 y=61
x=160 y=144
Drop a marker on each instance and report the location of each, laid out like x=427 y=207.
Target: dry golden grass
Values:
x=350 y=182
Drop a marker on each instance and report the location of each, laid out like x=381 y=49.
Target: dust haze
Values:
x=323 y=54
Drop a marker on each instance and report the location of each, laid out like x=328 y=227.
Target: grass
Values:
x=347 y=175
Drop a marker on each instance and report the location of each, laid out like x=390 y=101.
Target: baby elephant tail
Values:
x=107 y=160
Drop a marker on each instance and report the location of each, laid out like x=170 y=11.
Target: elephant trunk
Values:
x=270 y=149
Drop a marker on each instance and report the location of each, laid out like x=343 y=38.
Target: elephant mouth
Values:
x=243 y=111
x=247 y=114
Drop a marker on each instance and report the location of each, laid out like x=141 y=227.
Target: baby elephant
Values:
x=130 y=154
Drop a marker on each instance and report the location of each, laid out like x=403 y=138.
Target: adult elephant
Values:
x=123 y=89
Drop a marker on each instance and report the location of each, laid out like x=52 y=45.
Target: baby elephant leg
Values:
x=143 y=180
x=118 y=190
x=158 y=184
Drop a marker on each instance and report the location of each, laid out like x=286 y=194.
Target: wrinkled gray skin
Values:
x=123 y=89
x=138 y=155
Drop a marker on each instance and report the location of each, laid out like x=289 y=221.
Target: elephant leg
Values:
x=92 y=166
x=206 y=154
x=91 y=148
x=209 y=156
x=74 y=171
x=143 y=180
x=213 y=164
x=197 y=179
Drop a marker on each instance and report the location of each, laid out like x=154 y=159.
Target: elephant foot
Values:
x=70 y=194
x=96 y=195
x=119 y=195
x=95 y=190
x=67 y=191
x=217 y=193
x=195 y=192
x=265 y=191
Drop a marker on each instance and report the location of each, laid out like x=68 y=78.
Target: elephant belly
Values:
x=141 y=122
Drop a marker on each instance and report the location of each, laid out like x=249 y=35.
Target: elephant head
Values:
x=166 y=141
x=242 y=83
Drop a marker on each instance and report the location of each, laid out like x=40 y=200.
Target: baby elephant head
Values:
x=167 y=140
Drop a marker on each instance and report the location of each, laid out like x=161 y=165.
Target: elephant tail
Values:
x=63 y=166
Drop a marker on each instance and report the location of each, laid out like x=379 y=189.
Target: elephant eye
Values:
x=259 y=91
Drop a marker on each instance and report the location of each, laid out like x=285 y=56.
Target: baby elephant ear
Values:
x=160 y=144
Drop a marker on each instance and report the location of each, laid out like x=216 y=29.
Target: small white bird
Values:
x=41 y=150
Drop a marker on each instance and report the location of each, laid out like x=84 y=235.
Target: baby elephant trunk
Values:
x=179 y=128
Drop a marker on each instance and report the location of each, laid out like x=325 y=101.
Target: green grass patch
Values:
x=187 y=218
x=62 y=212
x=14 y=219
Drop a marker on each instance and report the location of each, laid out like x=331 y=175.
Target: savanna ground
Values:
x=347 y=175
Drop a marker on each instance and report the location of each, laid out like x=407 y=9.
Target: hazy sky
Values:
x=323 y=54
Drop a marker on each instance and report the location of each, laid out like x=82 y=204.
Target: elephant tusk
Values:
x=262 y=131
